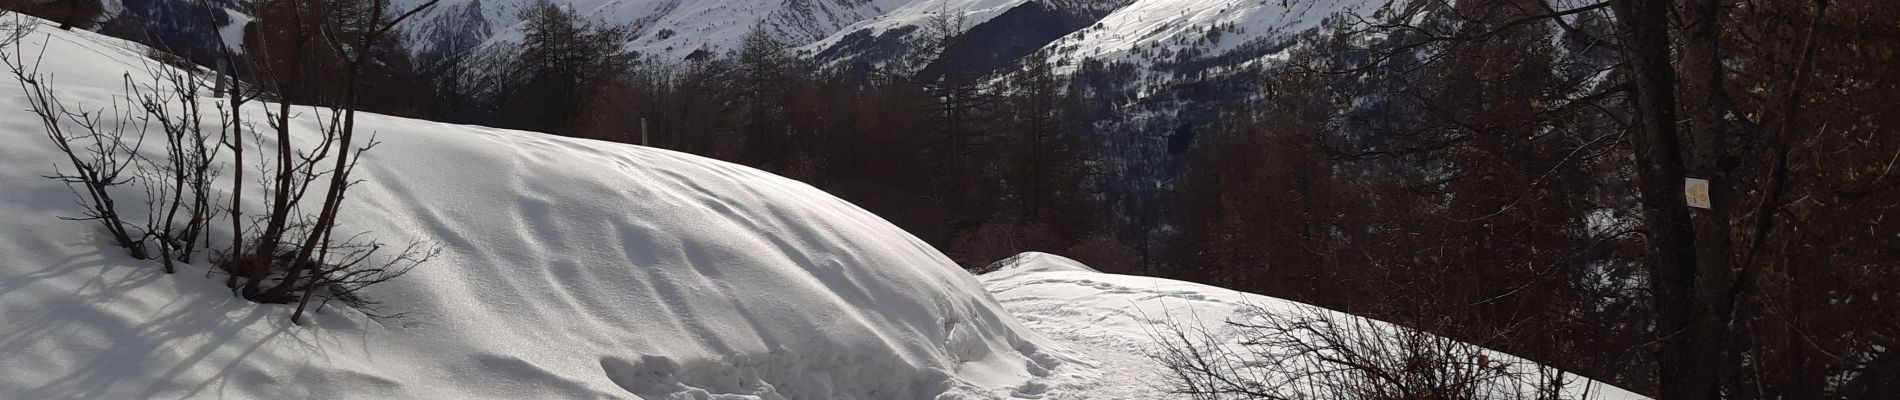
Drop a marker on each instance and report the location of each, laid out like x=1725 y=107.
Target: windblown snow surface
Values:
x=572 y=269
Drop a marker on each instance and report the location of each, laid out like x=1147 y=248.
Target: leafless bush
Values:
x=1105 y=254
x=181 y=181
x=357 y=267
x=13 y=27
x=293 y=256
x=1312 y=353
x=1001 y=238
x=68 y=13
x=170 y=59
x=98 y=150
x=274 y=270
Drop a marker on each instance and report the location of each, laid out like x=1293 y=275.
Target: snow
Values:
x=669 y=30
x=233 y=34
x=1179 y=23
x=1111 y=320
x=1174 y=26
x=909 y=27
x=918 y=14
x=721 y=25
x=572 y=269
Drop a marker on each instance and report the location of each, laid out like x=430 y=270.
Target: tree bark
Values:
x=1712 y=155
x=1670 y=231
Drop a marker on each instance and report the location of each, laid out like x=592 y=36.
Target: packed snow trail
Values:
x=1110 y=321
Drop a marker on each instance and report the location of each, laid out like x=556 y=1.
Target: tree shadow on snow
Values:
x=100 y=324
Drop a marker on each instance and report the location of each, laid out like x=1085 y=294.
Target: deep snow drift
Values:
x=572 y=269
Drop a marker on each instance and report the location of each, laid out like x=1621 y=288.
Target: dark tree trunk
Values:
x=1711 y=156
x=1670 y=231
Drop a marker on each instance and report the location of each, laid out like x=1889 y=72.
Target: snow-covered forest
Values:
x=949 y=199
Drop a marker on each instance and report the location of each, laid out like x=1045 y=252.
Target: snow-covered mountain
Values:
x=998 y=30
x=869 y=32
x=1170 y=40
x=664 y=29
x=1165 y=39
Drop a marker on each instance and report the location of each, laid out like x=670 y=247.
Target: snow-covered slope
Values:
x=880 y=32
x=666 y=29
x=872 y=32
x=903 y=35
x=573 y=269
x=1109 y=319
x=1151 y=33
x=899 y=34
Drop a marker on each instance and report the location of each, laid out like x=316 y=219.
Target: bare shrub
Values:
x=99 y=150
x=178 y=186
x=1000 y=238
x=1106 y=254
x=170 y=59
x=357 y=267
x=69 y=14
x=337 y=39
x=13 y=27
x=294 y=257
x=1312 y=353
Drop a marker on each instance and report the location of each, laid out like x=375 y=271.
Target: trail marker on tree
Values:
x=1696 y=192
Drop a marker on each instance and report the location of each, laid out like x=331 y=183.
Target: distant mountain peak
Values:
x=663 y=29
